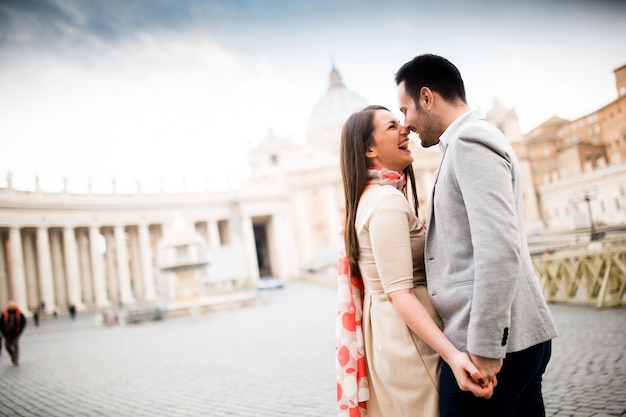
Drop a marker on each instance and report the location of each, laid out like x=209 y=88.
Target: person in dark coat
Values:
x=12 y=324
x=36 y=317
x=72 y=310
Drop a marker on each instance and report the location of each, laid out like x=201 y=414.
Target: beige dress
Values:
x=403 y=371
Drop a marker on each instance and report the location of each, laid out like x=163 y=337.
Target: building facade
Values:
x=100 y=250
x=578 y=167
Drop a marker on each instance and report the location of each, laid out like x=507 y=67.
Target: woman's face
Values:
x=391 y=143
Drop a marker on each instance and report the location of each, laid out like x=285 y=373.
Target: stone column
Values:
x=18 y=278
x=72 y=271
x=123 y=276
x=147 y=270
x=97 y=268
x=4 y=277
x=84 y=263
x=214 y=234
x=249 y=247
x=111 y=270
x=30 y=271
x=46 y=283
x=57 y=270
x=135 y=264
x=284 y=248
x=155 y=235
x=235 y=228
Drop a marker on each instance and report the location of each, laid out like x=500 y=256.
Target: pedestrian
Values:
x=12 y=324
x=392 y=368
x=72 y=311
x=480 y=275
x=36 y=316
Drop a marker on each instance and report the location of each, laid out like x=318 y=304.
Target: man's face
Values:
x=418 y=119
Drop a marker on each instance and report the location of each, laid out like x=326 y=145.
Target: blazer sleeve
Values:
x=485 y=173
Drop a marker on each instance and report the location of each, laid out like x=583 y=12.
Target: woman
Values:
x=384 y=246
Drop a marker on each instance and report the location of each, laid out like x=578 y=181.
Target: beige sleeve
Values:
x=391 y=242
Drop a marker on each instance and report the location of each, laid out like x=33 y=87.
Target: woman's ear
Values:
x=371 y=152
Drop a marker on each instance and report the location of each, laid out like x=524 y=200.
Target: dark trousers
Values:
x=518 y=393
x=13 y=348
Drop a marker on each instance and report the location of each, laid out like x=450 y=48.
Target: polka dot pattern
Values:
x=352 y=384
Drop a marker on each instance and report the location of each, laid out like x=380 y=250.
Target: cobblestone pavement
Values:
x=274 y=358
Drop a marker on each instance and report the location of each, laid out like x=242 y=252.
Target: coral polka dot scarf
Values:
x=384 y=176
x=352 y=384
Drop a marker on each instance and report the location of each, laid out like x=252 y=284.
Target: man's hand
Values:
x=488 y=367
x=468 y=377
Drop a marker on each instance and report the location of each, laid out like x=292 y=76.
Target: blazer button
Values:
x=505 y=336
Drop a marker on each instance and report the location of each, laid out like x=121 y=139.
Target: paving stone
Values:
x=274 y=358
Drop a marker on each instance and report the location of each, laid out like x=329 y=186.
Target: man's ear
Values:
x=426 y=98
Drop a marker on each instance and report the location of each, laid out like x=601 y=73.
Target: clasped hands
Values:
x=476 y=374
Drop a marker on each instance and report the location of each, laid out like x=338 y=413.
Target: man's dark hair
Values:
x=434 y=72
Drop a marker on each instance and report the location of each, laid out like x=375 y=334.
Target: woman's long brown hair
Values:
x=356 y=138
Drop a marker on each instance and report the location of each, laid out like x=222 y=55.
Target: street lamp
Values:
x=593 y=228
x=594 y=235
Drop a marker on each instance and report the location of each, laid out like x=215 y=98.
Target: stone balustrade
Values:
x=595 y=275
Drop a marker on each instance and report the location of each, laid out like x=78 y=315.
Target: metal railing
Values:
x=594 y=275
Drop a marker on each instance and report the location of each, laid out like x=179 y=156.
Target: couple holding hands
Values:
x=445 y=318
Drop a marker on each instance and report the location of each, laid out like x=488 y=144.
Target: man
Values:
x=12 y=324
x=478 y=266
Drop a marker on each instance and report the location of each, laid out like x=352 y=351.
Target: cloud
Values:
x=53 y=22
x=176 y=106
x=183 y=88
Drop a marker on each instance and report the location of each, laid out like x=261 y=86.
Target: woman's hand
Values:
x=469 y=378
x=489 y=367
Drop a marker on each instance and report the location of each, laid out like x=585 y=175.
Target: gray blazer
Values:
x=478 y=266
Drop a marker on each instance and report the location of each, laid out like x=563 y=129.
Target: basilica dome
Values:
x=331 y=111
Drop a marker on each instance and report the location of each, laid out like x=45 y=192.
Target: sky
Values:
x=166 y=91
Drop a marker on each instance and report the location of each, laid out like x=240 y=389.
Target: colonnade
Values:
x=88 y=267
x=97 y=251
